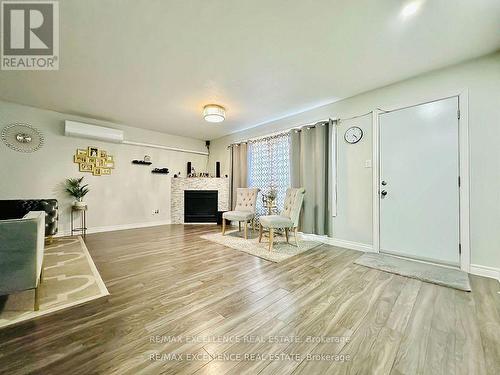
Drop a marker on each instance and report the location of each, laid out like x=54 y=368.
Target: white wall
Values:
x=354 y=185
x=126 y=198
x=481 y=78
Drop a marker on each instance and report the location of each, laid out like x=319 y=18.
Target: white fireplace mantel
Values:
x=180 y=184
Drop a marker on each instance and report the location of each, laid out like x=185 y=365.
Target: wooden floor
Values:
x=180 y=304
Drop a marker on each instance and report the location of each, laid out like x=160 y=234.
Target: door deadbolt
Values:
x=384 y=183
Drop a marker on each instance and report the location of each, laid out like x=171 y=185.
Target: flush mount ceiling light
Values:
x=411 y=8
x=214 y=113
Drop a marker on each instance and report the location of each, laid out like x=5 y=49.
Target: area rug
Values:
x=281 y=250
x=70 y=278
x=416 y=270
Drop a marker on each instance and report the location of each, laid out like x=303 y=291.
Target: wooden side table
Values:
x=83 y=217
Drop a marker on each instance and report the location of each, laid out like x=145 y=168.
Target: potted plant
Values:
x=269 y=199
x=75 y=188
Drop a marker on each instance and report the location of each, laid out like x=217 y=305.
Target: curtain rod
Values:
x=337 y=121
x=281 y=132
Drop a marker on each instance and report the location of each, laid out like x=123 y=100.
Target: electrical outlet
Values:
x=156 y=211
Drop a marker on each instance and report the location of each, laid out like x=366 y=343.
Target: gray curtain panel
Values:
x=239 y=172
x=309 y=169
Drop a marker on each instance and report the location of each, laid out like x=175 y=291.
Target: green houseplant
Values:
x=75 y=188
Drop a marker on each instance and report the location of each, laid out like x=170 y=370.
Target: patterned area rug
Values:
x=421 y=271
x=70 y=278
x=281 y=250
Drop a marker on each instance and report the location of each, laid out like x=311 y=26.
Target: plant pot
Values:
x=79 y=204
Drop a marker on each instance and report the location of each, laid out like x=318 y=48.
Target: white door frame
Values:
x=463 y=132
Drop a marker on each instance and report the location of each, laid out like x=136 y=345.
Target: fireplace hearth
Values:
x=200 y=206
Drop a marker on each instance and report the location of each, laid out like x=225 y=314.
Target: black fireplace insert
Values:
x=200 y=206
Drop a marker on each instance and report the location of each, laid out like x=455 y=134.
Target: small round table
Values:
x=83 y=217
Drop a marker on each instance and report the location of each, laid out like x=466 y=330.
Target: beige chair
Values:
x=289 y=218
x=244 y=211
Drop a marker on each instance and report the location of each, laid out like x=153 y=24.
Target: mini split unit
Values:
x=81 y=130
x=101 y=133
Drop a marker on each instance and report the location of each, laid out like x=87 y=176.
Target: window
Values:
x=269 y=167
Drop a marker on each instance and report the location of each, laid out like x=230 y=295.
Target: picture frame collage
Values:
x=94 y=160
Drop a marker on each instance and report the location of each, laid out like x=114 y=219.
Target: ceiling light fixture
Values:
x=214 y=113
x=411 y=9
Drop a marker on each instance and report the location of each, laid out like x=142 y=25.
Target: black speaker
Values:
x=217 y=169
x=188 y=168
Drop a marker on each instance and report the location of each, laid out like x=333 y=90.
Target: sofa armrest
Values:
x=21 y=252
x=41 y=218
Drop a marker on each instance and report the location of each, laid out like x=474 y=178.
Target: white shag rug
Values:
x=281 y=249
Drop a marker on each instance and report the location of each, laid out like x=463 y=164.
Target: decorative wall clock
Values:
x=353 y=134
x=22 y=137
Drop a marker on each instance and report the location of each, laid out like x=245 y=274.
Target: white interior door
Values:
x=419 y=182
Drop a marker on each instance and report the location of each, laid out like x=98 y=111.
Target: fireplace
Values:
x=180 y=184
x=200 y=206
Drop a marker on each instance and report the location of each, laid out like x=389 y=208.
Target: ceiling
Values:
x=154 y=63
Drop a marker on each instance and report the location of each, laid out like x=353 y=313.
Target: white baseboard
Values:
x=112 y=228
x=491 y=272
x=339 y=243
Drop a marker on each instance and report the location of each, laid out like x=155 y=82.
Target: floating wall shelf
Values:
x=141 y=162
x=160 y=170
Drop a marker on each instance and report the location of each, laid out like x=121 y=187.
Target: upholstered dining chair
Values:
x=288 y=219
x=244 y=210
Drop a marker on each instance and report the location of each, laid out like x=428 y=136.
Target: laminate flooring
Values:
x=179 y=304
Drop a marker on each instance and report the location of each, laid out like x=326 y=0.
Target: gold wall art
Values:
x=95 y=161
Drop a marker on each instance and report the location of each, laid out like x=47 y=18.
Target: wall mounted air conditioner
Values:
x=82 y=130
x=101 y=133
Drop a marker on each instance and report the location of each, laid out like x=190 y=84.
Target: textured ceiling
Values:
x=154 y=63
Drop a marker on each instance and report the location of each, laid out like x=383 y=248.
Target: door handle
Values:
x=384 y=183
x=383 y=193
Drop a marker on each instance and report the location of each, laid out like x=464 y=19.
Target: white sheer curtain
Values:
x=269 y=167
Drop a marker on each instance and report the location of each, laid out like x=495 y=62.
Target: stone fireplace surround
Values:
x=179 y=184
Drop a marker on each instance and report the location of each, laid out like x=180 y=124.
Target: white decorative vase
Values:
x=79 y=204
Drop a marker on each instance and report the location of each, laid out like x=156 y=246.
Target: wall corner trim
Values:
x=491 y=272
